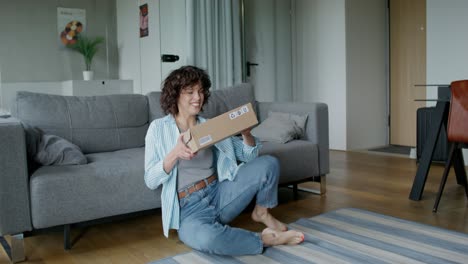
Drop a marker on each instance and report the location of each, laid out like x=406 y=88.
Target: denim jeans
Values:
x=206 y=213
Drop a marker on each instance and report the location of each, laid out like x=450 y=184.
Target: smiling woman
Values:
x=204 y=191
x=190 y=102
x=180 y=81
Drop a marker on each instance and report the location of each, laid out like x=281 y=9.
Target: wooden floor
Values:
x=369 y=181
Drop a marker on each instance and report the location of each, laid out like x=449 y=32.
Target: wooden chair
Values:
x=457 y=133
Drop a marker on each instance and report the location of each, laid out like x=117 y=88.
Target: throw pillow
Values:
x=54 y=150
x=299 y=120
x=33 y=137
x=275 y=130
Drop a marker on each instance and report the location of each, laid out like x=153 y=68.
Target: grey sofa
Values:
x=110 y=130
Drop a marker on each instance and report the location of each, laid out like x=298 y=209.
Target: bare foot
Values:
x=267 y=219
x=271 y=237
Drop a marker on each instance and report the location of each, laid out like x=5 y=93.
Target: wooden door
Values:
x=407 y=68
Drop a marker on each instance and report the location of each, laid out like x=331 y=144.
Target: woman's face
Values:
x=190 y=100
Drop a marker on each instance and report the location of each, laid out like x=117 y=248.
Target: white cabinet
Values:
x=97 y=87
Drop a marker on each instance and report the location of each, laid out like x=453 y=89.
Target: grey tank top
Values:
x=196 y=169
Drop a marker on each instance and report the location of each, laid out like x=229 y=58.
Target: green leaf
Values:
x=87 y=47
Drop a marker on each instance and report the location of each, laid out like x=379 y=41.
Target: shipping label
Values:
x=205 y=140
x=235 y=114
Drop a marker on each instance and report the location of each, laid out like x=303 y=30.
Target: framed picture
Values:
x=143 y=20
x=70 y=23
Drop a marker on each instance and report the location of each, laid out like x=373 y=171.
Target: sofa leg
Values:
x=66 y=237
x=14 y=247
x=68 y=241
x=295 y=192
x=323 y=184
x=321 y=191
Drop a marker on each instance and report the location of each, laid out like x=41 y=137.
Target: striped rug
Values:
x=354 y=236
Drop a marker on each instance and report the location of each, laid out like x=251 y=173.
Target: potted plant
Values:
x=88 y=48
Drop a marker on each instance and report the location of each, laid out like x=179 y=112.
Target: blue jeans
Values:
x=205 y=213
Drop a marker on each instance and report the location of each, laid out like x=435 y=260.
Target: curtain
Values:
x=214 y=39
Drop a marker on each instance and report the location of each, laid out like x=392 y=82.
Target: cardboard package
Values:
x=223 y=126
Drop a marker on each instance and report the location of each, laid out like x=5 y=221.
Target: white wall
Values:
x=150 y=48
x=8 y=91
x=173 y=34
x=340 y=59
x=140 y=58
x=366 y=71
x=321 y=61
x=447 y=42
x=128 y=42
x=29 y=45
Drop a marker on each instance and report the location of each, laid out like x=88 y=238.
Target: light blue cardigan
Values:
x=160 y=139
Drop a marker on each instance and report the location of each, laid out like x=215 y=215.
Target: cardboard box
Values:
x=223 y=126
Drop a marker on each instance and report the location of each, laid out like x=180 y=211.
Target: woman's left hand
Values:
x=247 y=137
x=246 y=132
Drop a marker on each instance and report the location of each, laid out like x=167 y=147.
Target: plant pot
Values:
x=88 y=75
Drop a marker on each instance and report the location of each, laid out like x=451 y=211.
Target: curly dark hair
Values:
x=178 y=80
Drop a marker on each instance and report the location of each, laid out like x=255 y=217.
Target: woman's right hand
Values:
x=182 y=151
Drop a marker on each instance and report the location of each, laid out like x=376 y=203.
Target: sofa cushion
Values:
x=220 y=101
x=275 y=130
x=299 y=120
x=33 y=137
x=112 y=183
x=281 y=127
x=155 y=110
x=298 y=159
x=223 y=100
x=93 y=123
x=54 y=150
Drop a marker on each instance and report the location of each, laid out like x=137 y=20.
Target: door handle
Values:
x=250 y=64
x=169 y=58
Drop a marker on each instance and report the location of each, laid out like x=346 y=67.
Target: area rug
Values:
x=354 y=236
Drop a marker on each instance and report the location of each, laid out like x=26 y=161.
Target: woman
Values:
x=204 y=191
